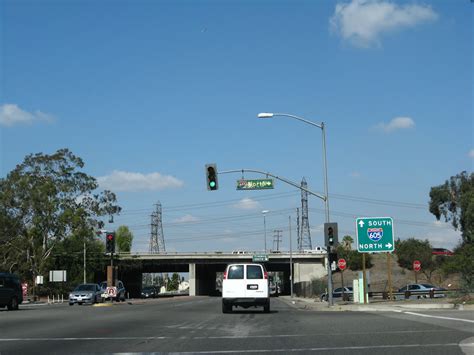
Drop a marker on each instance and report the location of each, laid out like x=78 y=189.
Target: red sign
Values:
x=341 y=264
x=24 y=288
x=417 y=265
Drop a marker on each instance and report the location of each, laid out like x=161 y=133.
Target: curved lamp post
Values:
x=326 y=195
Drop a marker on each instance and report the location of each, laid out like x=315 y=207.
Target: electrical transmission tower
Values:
x=305 y=240
x=157 y=238
x=277 y=239
x=298 y=229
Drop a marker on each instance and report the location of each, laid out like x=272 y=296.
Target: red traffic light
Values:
x=110 y=236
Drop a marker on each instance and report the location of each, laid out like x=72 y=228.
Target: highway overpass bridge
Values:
x=203 y=267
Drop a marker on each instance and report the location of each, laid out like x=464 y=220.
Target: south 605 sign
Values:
x=375 y=234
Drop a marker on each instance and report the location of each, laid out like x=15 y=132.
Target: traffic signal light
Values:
x=110 y=242
x=211 y=175
x=330 y=234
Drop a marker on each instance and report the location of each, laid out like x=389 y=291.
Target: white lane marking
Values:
x=440 y=317
x=82 y=339
x=230 y=337
x=402 y=346
x=370 y=347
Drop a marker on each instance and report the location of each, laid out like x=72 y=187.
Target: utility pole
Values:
x=291 y=259
x=85 y=278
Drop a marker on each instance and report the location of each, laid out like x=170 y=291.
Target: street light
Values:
x=264 y=212
x=325 y=166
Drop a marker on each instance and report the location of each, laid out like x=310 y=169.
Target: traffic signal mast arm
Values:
x=275 y=177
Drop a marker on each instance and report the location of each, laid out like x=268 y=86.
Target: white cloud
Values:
x=362 y=22
x=396 y=124
x=355 y=175
x=247 y=204
x=11 y=114
x=471 y=153
x=186 y=219
x=128 y=181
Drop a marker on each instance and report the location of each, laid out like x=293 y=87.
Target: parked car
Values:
x=11 y=294
x=422 y=290
x=149 y=292
x=245 y=285
x=85 y=293
x=121 y=292
x=337 y=293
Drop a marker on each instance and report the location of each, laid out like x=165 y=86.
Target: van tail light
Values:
x=225 y=275
x=265 y=275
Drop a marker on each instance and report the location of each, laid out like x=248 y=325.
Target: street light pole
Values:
x=326 y=193
x=264 y=212
x=291 y=260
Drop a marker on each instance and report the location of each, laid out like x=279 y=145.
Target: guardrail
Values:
x=407 y=294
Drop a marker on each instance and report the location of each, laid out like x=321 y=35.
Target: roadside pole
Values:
x=389 y=274
x=291 y=261
x=364 y=278
x=342 y=283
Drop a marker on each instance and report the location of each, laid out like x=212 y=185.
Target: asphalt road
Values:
x=197 y=325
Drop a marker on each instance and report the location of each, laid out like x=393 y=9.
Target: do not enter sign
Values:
x=341 y=264
x=417 y=265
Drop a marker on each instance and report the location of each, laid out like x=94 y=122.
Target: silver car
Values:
x=422 y=291
x=85 y=293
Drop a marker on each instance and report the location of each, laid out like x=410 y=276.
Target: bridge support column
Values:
x=192 y=279
x=307 y=272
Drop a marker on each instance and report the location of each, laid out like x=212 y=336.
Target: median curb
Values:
x=312 y=304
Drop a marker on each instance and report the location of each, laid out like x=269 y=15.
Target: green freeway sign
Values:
x=258 y=258
x=374 y=235
x=257 y=184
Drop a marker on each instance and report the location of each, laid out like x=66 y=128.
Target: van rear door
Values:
x=256 y=283
x=233 y=284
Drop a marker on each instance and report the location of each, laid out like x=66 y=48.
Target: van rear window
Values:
x=236 y=272
x=254 y=272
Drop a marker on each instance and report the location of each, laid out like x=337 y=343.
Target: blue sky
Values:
x=148 y=92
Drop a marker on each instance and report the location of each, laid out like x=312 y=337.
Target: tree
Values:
x=353 y=258
x=462 y=262
x=68 y=254
x=414 y=249
x=173 y=284
x=454 y=200
x=45 y=200
x=124 y=239
x=347 y=242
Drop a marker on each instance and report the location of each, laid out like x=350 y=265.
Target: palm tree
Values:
x=347 y=242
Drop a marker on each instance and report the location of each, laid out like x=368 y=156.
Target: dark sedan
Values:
x=149 y=292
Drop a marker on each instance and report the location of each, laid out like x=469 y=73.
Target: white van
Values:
x=245 y=285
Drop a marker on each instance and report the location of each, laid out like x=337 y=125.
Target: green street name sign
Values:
x=375 y=235
x=259 y=258
x=257 y=184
